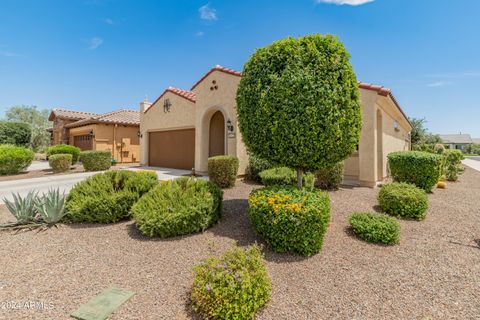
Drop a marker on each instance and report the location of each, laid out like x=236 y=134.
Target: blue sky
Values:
x=99 y=55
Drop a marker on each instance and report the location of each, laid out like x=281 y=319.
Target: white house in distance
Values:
x=458 y=141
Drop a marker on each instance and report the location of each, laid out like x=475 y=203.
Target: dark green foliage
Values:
x=404 y=200
x=183 y=206
x=290 y=219
x=60 y=162
x=330 y=178
x=14 y=159
x=223 y=170
x=96 y=160
x=65 y=149
x=422 y=169
x=36 y=119
x=298 y=103
x=375 y=227
x=255 y=166
x=108 y=197
x=453 y=161
x=283 y=176
x=233 y=286
x=16 y=133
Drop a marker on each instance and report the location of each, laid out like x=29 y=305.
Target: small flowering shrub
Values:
x=375 y=227
x=290 y=219
x=233 y=286
x=404 y=200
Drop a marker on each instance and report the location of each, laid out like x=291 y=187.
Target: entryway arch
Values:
x=216 y=136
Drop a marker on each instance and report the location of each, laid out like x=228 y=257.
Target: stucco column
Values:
x=368 y=147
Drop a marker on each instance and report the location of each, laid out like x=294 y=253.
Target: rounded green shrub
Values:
x=290 y=219
x=60 y=162
x=255 y=166
x=182 y=206
x=404 y=200
x=16 y=133
x=14 y=159
x=108 y=197
x=330 y=178
x=223 y=170
x=283 y=176
x=422 y=169
x=375 y=227
x=233 y=286
x=65 y=149
x=96 y=160
x=453 y=164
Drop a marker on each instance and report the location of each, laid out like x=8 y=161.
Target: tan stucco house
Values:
x=183 y=128
x=116 y=131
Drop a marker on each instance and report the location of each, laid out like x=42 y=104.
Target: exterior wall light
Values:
x=230 y=129
x=167 y=105
x=139 y=134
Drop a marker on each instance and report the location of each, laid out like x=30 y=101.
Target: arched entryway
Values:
x=217 y=135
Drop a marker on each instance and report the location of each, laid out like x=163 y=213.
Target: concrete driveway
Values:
x=472 y=162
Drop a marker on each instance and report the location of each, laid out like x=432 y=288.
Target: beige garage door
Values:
x=172 y=149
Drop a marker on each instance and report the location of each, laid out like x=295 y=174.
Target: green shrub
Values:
x=283 y=176
x=16 y=133
x=14 y=159
x=453 y=161
x=222 y=170
x=330 y=178
x=183 y=206
x=290 y=219
x=96 y=160
x=376 y=228
x=439 y=148
x=108 y=197
x=65 y=149
x=419 y=168
x=404 y=200
x=60 y=162
x=255 y=166
x=232 y=287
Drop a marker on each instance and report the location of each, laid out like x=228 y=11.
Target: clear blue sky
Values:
x=99 y=55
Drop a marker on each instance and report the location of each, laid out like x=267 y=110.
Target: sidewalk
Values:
x=474 y=164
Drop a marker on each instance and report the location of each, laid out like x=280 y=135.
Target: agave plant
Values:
x=24 y=209
x=51 y=206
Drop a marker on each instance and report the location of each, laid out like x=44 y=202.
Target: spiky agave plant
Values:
x=23 y=209
x=51 y=206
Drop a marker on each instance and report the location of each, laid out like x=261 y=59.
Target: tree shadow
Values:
x=377 y=208
x=477 y=242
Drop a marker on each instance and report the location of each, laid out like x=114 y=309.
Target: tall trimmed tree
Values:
x=298 y=103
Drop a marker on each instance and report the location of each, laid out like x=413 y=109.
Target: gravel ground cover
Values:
x=434 y=273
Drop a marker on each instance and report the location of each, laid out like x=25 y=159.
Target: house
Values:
x=457 y=141
x=183 y=128
x=116 y=131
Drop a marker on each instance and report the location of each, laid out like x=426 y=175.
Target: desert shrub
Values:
x=182 y=206
x=439 y=148
x=233 y=286
x=14 y=159
x=16 y=133
x=404 y=200
x=283 y=176
x=96 y=160
x=222 y=170
x=330 y=178
x=255 y=166
x=290 y=219
x=422 y=169
x=375 y=227
x=452 y=166
x=60 y=162
x=108 y=197
x=65 y=149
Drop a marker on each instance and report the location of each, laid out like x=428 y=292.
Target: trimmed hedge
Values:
x=65 y=149
x=14 y=159
x=108 y=197
x=453 y=161
x=290 y=219
x=255 y=166
x=404 y=200
x=183 y=206
x=330 y=178
x=60 y=162
x=375 y=227
x=284 y=176
x=223 y=170
x=16 y=133
x=96 y=160
x=422 y=169
x=233 y=286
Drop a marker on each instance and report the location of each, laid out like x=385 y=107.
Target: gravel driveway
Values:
x=434 y=273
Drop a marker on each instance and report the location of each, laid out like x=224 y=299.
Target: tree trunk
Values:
x=299 y=178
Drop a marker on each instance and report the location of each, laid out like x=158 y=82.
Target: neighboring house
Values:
x=116 y=131
x=456 y=141
x=182 y=128
x=476 y=140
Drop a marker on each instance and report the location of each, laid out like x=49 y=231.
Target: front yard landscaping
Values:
x=432 y=273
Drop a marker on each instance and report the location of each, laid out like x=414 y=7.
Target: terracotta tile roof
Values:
x=70 y=114
x=189 y=95
x=217 y=68
x=121 y=116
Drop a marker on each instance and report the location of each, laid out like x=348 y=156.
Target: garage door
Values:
x=172 y=149
x=84 y=142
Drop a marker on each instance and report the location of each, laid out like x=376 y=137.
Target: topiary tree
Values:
x=298 y=103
